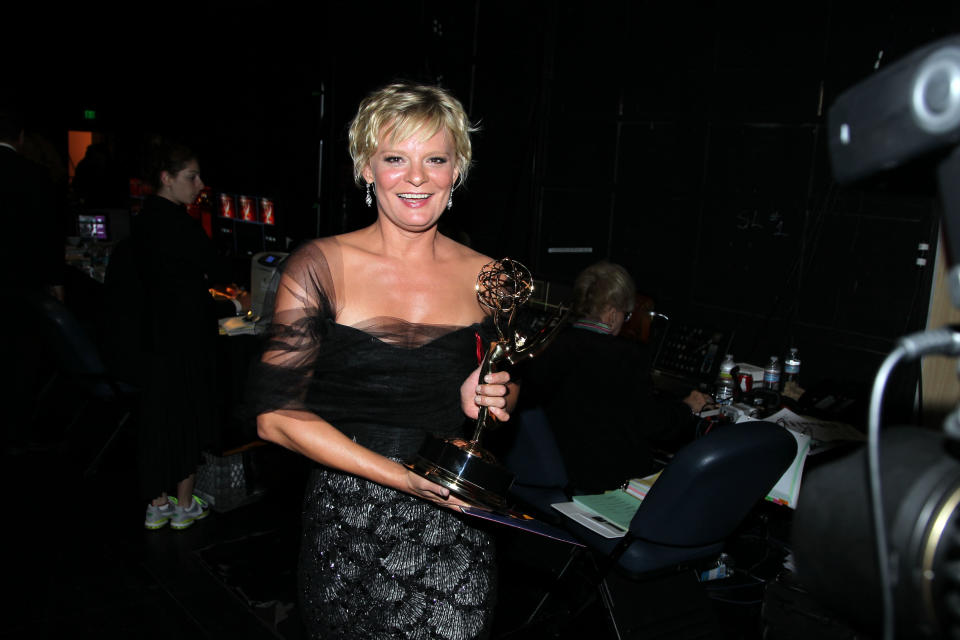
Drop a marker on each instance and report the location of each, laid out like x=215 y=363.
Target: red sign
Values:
x=227 y=207
x=266 y=211
x=248 y=209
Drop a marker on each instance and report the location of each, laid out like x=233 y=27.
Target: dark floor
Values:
x=81 y=564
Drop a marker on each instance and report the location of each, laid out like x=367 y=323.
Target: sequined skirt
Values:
x=378 y=563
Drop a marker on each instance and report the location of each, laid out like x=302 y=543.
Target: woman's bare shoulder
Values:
x=469 y=258
x=342 y=247
x=361 y=243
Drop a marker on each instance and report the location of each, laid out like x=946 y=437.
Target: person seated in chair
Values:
x=606 y=436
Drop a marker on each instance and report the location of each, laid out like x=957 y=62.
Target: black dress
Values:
x=375 y=562
x=173 y=352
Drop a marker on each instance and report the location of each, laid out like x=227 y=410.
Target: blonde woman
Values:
x=372 y=347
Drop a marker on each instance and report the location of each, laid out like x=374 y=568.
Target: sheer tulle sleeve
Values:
x=295 y=334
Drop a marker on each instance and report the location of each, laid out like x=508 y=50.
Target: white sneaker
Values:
x=185 y=517
x=158 y=517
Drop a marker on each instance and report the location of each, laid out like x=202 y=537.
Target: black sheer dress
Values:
x=375 y=562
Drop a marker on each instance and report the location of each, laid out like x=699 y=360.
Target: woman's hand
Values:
x=317 y=439
x=492 y=393
x=423 y=488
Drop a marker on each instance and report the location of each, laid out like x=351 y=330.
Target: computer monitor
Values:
x=92 y=226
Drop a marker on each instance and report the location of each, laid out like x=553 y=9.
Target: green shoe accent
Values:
x=184 y=518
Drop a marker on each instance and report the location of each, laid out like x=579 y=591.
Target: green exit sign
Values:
x=89 y=114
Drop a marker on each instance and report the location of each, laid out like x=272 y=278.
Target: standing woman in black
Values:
x=174 y=259
x=372 y=347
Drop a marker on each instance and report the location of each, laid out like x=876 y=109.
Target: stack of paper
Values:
x=787 y=489
x=608 y=514
x=617 y=506
x=811 y=435
x=638 y=487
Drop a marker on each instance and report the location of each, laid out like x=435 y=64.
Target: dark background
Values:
x=684 y=141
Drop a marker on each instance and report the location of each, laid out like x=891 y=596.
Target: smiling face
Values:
x=184 y=186
x=413 y=179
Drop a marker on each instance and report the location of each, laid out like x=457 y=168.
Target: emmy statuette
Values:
x=464 y=467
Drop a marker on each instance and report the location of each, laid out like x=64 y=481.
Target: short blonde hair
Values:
x=603 y=285
x=404 y=110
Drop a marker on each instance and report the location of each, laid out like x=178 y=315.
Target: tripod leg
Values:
x=543 y=600
x=607 y=598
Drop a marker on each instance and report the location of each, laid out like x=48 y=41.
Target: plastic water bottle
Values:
x=725 y=386
x=791 y=367
x=771 y=374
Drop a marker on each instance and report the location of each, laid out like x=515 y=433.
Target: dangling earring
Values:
x=369 y=198
x=450 y=201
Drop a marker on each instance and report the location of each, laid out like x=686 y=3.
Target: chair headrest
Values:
x=712 y=483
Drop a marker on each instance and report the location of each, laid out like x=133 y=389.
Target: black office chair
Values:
x=697 y=503
x=533 y=455
x=79 y=366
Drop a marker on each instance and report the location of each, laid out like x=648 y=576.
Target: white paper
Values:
x=590 y=519
x=819 y=430
x=787 y=488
